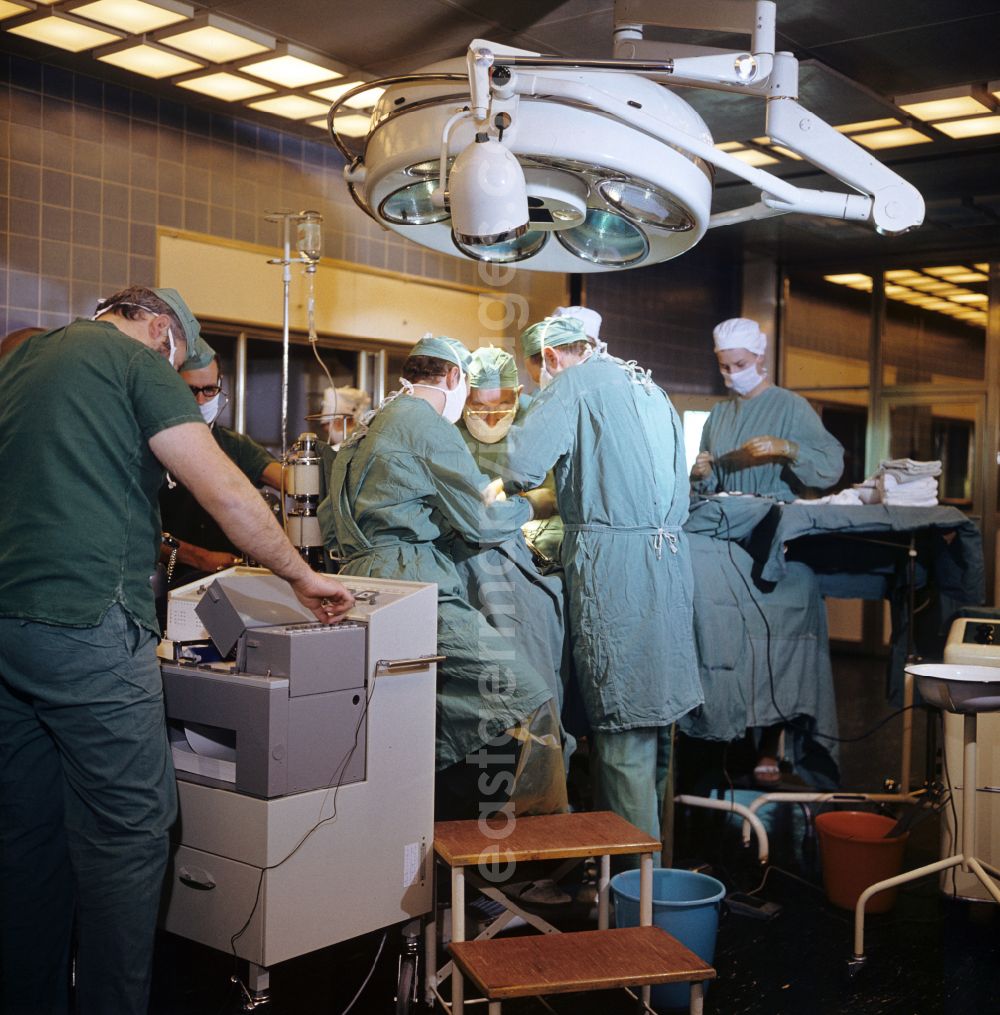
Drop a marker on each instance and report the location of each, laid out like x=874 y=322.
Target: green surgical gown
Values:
x=621 y=482
x=775 y=412
x=503 y=583
x=392 y=494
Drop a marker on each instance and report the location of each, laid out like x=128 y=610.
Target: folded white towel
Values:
x=920 y=488
x=907 y=470
x=925 y=502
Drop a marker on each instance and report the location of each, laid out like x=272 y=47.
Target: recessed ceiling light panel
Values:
x=938 y=105
x=899 y=137
x=292 y=67
x=226 y=86
x=133 y=16
x=9 y=9
x=976 y=126
x=63 y=31
x=215 y=39
x=293 y=107
x=148 y=59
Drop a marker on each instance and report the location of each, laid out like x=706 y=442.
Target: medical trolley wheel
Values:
x=408 y=977
x=406 y=985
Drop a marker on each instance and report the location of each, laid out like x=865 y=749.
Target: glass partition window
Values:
x=826 y=333
x=935 y=325
x=826 y=353
x=944 y=432
x=935 y=322
x=306 y=381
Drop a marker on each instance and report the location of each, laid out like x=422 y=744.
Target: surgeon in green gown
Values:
x=615 y=443
x=502 y=581
x=762 y=440
x=397 y=486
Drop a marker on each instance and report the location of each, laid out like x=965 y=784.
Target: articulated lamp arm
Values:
x=886 y=200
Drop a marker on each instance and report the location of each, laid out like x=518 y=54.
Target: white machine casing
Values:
x=271 y=879
x=973 y=641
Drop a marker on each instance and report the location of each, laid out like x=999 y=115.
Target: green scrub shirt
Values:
x=774 y=412
x=504 y=582
x=621 y=482
x=394 y=492
x=77 y=408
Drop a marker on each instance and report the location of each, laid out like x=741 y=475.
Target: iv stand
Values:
x=286 y=218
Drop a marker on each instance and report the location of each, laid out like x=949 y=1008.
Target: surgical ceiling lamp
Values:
x=571 y=165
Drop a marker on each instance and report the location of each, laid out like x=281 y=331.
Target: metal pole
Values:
x=286 y=281
x=240 y=384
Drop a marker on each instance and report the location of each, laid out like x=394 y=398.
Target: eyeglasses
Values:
x=208 y=390
x=500 y=410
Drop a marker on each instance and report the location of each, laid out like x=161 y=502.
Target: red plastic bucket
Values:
x=855 y=854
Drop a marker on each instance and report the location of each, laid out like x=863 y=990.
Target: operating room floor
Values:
x=930 y=955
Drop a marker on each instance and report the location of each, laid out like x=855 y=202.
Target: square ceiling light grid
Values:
x=934 y=288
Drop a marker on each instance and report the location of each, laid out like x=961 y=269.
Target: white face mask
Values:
x=743 y=381
x=210 y=409
x=173 y=347
x=454 y=399
x=487 y=434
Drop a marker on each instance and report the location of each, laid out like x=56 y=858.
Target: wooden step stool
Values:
x=493 y=846
x=586 y=960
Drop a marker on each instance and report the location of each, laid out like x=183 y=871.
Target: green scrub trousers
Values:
x=87 y=795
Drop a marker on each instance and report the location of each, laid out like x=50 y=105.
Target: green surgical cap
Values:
x=492 y=368
x=442 y=347
x=199 y=352
x=551 y=331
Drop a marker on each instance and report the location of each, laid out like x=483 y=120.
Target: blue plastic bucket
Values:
x=685 y=905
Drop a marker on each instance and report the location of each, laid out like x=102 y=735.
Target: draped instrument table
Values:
x=774 y=533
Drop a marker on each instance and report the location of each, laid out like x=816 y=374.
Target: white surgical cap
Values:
x=590 y=319
x=740 y=333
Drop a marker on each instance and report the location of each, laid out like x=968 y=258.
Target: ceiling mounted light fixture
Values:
x=974 y=126
x=225 y=85
x=354 y=125
x=292 y=67
x=333 y=92
x=215 y=39
x=897 y=137
x=292 y=107
x=962 y=100
x=617 y=166
x=63 y=31
x=147 y=58
x=133 y=16
x=13 y=9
